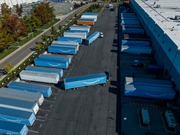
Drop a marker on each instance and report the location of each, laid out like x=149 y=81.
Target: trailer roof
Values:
x=30 y=85
x=80 y=26
x=165 y=90
x=16 y=102
x=51 y=60
x=92 y=35
x=15 y=113
x=55 y=56
x=78 y=78
x=44 y=68
x=90 y=13
x=25 y=94
x=35 y=73
x=10 y=126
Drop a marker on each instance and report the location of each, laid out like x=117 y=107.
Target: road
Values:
x=89 y=110
x=17 y=56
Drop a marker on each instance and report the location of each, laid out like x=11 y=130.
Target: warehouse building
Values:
x=161 y=21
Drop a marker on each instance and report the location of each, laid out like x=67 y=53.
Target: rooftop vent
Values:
x=177 y=17
x=157 y=6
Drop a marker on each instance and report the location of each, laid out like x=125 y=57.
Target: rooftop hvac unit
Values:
x=157 y=6
x=177 y=17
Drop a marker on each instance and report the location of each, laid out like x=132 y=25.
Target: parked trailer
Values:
x=76 y=35
x=80 y=31
x=129 y=18
x=133 y=30
x=149 y=92
x=10 y=128
x=39 y=76
x=148 y=82
x=145 y=116
x=86 y=80
x=90 y=15
x=135 y=49
x=77 y=27
x=17 y=116
x=22 y=95
x=136 y=43
x=19 y=105
x=56 y=57
x=130 y=22
x=51 y=63
x=141 y=37
x=70 y=39
x=45 y=70
x=62 y=50
x=155 y=69
x=128 y=14
x=45 y=90
x=66 y=45
x=85 y=22
x=132 y=26
x=92 y=37
x=65 y=42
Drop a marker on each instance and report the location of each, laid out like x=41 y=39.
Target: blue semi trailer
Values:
x=56 y=57
x=17 y=116
x=31 y=87
x=65 y=45
x=19 y=104
x=92 y=38
x=136 y=43
x=81 y=31
x=86 y=80
x=10 y=128
x=80 y=27
x=70 y=39
x=133 y=30
x=51 y=63
x=62 y=50
x=46 y=70
x=147 y=91
x=127 y=22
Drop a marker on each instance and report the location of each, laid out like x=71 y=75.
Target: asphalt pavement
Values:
x=87 y=110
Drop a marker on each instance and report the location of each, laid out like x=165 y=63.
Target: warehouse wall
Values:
x=164 y=49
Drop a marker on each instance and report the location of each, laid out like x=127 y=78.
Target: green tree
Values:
x=5 y=40
x=45 y=39
x=32 y=23
x=53 y=31
x=7 y=66
x=5 y=10
x=14 y=26
x=19 y=9
x=39 y=46
x=43 y=12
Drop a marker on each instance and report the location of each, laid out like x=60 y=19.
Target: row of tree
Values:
x=14 y=26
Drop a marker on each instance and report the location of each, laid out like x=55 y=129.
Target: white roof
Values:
x=163 y=13
x=14 y=2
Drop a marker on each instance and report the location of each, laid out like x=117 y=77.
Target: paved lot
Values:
x=131 y=106
x=89 y=110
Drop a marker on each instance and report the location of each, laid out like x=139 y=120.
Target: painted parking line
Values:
x=49 y=101
x=164 y=123
x=44 y=109
x=33 y=131
x=40 y=120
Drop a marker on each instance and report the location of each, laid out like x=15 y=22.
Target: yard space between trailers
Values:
x=88 y=110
